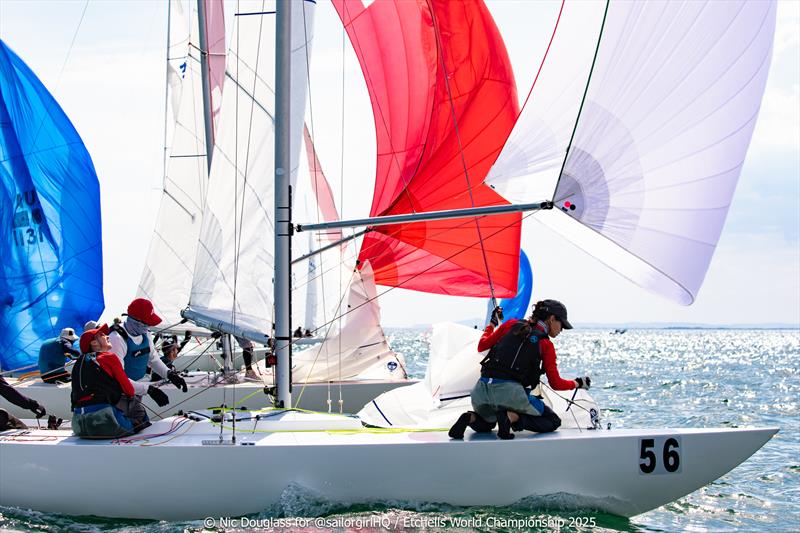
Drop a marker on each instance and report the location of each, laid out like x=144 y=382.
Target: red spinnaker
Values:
x=444 y=99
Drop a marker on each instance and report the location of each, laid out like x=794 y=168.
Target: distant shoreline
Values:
x=637 y=326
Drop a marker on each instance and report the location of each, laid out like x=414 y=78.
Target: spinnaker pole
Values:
x=283 y=214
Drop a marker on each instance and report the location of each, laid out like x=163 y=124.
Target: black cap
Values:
x=554 y=307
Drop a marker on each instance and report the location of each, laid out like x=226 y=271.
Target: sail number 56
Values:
x=661 y=455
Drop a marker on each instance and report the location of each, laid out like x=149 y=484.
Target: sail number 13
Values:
x=660 y=455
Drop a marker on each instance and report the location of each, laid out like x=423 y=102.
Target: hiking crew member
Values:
x=520 y=351
x=131 y=341
x=54 y=353
x=99 y=386
x=9 y=421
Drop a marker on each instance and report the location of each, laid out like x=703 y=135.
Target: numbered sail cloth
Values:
x=52 y=269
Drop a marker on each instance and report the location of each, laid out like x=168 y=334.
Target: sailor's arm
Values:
x=548 y=354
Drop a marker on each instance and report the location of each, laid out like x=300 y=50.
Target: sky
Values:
x=104 y=63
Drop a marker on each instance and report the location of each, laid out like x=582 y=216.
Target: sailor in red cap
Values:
x=104 y=404
x=132 y=343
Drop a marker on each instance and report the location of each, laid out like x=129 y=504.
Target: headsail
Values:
x=52 y=269
x=443 y=107
x=660 y=134
x=167 y=275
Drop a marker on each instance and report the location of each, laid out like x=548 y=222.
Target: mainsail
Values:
x=443 y=106
x=654 y=106
x=52 y=271
x=232 y=279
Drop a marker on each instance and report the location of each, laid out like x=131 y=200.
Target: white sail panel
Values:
x=167 y=275
x=361 y=344
x=527 y=167
x=233 y=279
x=660 y=141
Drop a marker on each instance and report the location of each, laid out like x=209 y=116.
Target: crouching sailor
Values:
x=520 y=352
x=99 y=385
x=132 y=344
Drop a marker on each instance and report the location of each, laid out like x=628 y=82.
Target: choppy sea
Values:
x=642 y=378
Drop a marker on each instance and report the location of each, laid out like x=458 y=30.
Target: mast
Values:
x=209 y=128
x=283 y=218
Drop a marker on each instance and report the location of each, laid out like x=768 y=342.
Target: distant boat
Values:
x=620 y=331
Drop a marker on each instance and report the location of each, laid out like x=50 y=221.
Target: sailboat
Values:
x=196 y=63
x=625 y=472
x=52 y=270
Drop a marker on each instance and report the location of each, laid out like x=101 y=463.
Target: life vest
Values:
x=51 y=355
x=91 y=385
x=515 y=358
x=137 y=357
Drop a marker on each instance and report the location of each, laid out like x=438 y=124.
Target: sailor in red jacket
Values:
x=520 y=352
x=99 y=383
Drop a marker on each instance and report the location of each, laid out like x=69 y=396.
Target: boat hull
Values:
x=585 y=469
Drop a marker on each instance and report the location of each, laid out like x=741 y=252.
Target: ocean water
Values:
x=643 y=378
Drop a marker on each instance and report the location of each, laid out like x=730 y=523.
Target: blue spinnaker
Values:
x=517 y=307
x=52 y=259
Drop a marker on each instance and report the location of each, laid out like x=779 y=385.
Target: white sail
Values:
x=167 y=275
x=233 y=273
x=661 y=136
x=360 y=345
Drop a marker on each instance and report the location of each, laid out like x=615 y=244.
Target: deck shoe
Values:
x=503 y=425
x=457 y=431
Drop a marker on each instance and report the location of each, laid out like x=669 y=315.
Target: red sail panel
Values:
x=322 y=189
x=421 y=87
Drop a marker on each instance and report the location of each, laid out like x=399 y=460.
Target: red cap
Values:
x=141 y=309
x=88 y=336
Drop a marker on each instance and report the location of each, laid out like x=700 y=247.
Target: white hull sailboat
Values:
x=332 y=457
x=652 y=152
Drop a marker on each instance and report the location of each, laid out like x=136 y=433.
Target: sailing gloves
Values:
x=176 y=380
x=38 y=410
x=497 y=316
x=583 y=383
x=158 y=396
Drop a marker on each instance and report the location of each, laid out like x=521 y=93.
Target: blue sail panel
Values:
x=52 y=259
x=517 y=307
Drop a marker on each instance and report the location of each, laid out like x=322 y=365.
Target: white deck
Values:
x=201 y=395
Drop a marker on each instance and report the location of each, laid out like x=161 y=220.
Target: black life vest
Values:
x=515 y=357
x=91 y=385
